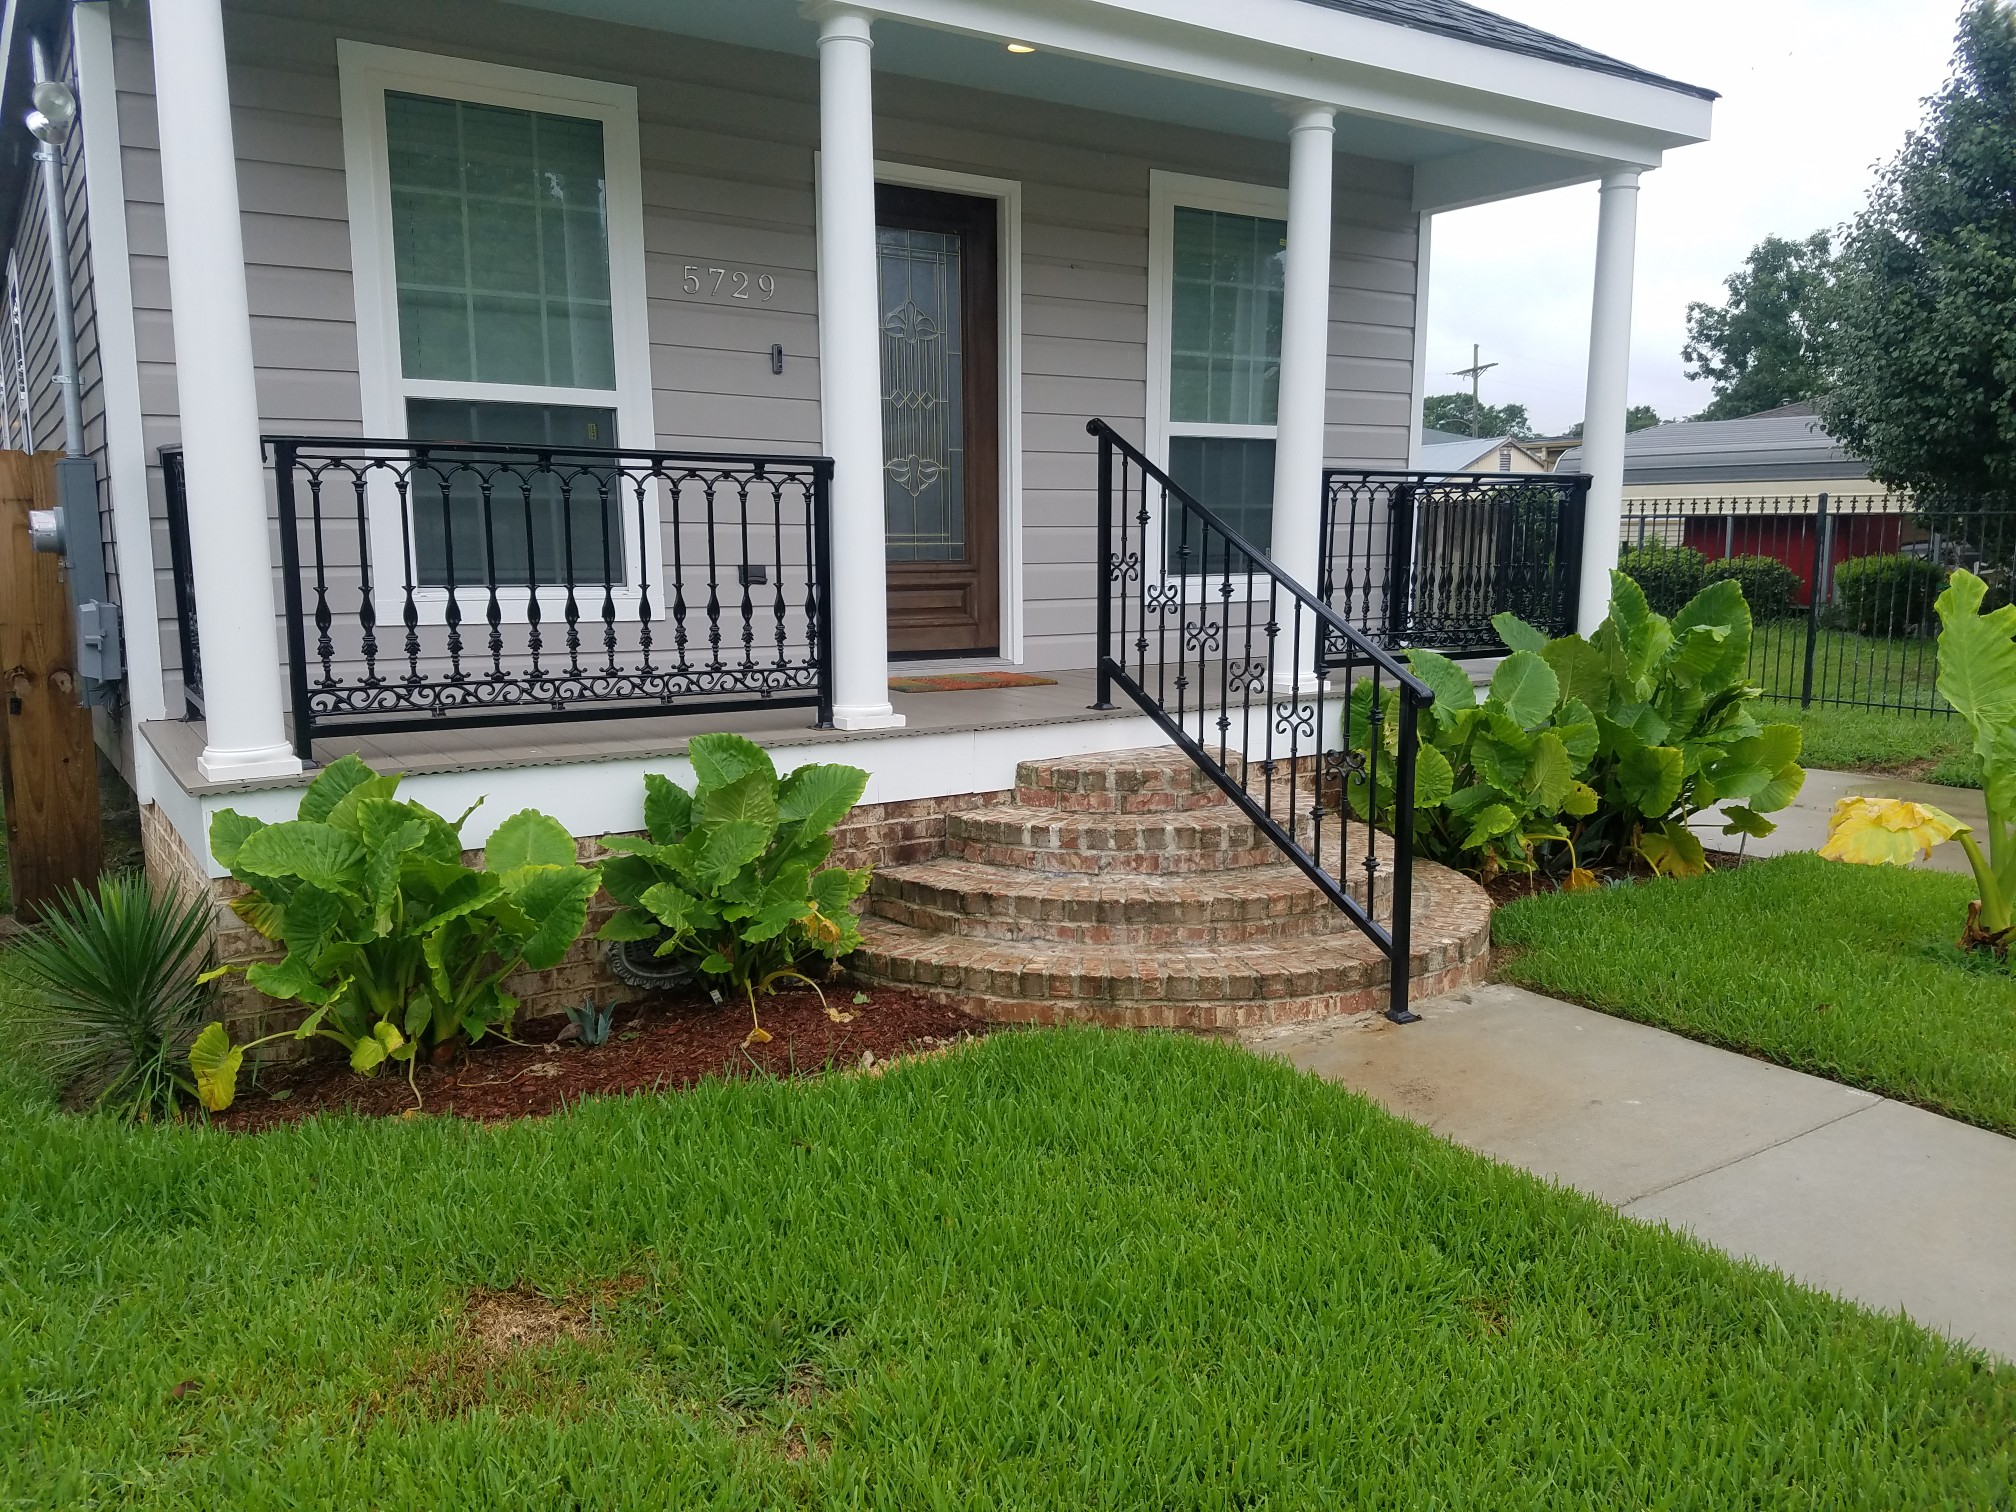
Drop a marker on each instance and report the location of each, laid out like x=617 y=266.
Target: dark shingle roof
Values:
x=1783 y=444
x=1453 y=18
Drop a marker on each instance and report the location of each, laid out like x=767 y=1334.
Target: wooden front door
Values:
x=941 y=445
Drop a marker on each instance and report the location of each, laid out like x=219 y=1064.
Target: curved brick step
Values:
x=1206 y=987
x=1154 y=780
x=958 y=897
x=1215 y=839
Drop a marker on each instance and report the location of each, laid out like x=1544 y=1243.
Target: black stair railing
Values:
x=1427 y=559
x=432 y=583
x=1285 y=705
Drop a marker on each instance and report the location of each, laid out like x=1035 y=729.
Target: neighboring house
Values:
x=1497 y=454
x=927 y=239
x=1752 y=487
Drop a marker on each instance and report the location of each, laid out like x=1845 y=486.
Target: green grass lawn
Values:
x=1929 y=747
x=1849 y=972
x=1055 y=1270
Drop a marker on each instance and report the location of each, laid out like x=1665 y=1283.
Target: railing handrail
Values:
x=1581 y=480
x=1417 y=691
x=308 y=445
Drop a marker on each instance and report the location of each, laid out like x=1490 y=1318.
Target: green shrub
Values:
x=733 y=875
x=1886 y=595
x=396 y=945
x=1670 y=575
x=107 y=993
x=1769 y=586
x=1609 y=745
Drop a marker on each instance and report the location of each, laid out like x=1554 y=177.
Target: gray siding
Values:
x=728 y=177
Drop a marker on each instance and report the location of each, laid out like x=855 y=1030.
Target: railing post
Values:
x=1569 y=555
x=1103 y=570
x=1401 y=931
x=290 y=589
x=1399 y=565
x=822 y=574
x=1823 y=560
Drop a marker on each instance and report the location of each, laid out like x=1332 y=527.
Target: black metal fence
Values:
x=487 y=584
x=1266 y=687
x=1841 y=587
x=1426 y=559
x=184 y=579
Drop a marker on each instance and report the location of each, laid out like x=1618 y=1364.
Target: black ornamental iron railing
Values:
x=184 y=580
x=1290 y=709
x=428 y=583
x=1427 y=559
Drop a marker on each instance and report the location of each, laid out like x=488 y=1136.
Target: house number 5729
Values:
x=728 y=283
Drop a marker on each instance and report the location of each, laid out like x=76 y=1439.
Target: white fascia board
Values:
x=1491 y=173
x=1290 y=50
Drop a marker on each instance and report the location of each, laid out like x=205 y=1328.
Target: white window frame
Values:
x=1167 y=191
x=367 y=72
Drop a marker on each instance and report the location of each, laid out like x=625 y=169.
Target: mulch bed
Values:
x=658 y=1045
x=1508 y=888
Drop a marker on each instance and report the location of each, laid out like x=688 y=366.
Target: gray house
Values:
x=506 y=391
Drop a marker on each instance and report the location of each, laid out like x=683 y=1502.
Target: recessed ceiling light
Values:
x=1020 y=47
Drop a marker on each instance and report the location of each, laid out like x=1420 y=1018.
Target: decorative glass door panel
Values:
x=940 y=445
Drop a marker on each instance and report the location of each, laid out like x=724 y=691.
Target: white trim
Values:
x=367 y=71
x=1424 y=257
x=119 y=368
x=1008 y=258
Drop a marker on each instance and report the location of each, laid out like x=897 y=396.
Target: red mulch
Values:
x=658 y=1045
x=1509 y=888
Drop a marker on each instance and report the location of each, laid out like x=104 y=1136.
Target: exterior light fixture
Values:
x=1020 y=47
x=54 y=114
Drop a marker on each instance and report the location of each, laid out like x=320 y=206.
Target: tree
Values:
x=1452 y=412
x=1768 y=344
x=1638 y=417
x=1926 y=392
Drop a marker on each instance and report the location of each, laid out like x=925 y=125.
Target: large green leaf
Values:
x=721 y=759
x=1650 y=779
x=1779 y=792
x=303 y=851
x=671 y=905
x=555 y=899
x=817 y=797
x=1550 y=775
x=1977 y=660
x=309 y=921
x=727 y=848
x=331 y=783
x=668 y=809
x=464 y=895
x=629 y=924
x=529 y=838
x=834 y=888
x=1489 y=824
x=1526 y=688
x=1434 y=778
x=625 y=878
x=1576 y=727
x=1713 y=632
x=229 y=830
x=389 y=833
x=1584 y=671
x=1673 y=850
x=1517 y=634
x=1644 y=637
x=1449 y=683
x=750 y=799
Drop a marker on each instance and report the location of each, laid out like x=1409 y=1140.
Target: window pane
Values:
x=1234 y=479
x=500 y=237
x=557 y=524
x=1225 y=318
x=923 y=396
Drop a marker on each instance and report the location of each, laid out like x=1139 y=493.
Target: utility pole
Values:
x=1477 y=369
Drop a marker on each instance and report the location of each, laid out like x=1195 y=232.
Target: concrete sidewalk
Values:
x=1803 y=826
x=1873 y=1200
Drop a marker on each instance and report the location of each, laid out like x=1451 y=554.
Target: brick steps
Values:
x=1125 y=889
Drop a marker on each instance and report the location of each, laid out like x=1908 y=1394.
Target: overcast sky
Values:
x=1814 y=94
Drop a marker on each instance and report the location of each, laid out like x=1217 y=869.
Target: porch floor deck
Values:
x=582 y=738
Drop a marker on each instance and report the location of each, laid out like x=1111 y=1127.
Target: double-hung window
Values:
x=497 y=223
x=1216 y=256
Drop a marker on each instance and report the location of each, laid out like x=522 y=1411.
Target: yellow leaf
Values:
x=837 y=1016
x=1886 y=831
x=215 y=1060
x=758 y=1036
x=1581 y=879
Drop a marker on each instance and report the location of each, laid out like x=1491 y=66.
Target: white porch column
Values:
x=1305 y=346
x=850 y=373
x=1609 y=392
x=229 y=542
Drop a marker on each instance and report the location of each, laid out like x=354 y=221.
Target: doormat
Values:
x=968 y=682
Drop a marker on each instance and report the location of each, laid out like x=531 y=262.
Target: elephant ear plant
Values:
x=1607 y=746
x=395 y=945
x=1977 y=676
x=732 y=875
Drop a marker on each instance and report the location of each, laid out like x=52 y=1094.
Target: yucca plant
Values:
x=105 y=994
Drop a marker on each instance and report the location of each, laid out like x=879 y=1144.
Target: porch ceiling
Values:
x=1471 y=144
